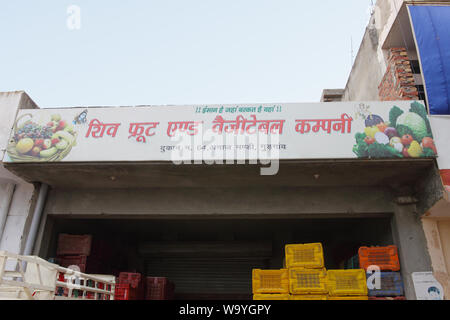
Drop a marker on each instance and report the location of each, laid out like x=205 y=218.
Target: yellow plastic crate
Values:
x=308 y=297
x=347 y=283
x=309 y=255
x=349 y=298
x=271 y=297
x=270 y=281
x=307 y=281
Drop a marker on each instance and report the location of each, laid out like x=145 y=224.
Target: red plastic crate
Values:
x=387 y=298
x=67 y=261
x=74 y=244
x=159 y=288
x=386 y=258
x=125 y=292
x=133 y=279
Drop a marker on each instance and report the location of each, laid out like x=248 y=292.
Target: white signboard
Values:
x=346 y=130
x=427 y=287
x=441 y=125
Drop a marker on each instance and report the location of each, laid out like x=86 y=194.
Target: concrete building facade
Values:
x=207 y=226
x=388 y=67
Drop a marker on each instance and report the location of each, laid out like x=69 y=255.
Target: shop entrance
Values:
x=214 y=258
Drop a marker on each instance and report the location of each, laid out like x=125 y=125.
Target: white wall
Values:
x=18 y=216
x=441 y=133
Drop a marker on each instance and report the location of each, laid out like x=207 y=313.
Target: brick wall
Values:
x=398 y=81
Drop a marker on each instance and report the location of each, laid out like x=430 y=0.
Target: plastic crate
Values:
x=347 y=282
x=349 y=298
x=387 y=298
x=308 y=255
x=133 y=279
x=391 y=285
x=307 y=281
x=67 y=261
x=126 y=292
x=386 y=258
x=74 y=244
x=159 y=288
x=308 y=297
x=270 y=281
x=271 y=297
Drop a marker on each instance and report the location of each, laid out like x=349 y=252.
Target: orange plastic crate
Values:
x=386 y=258
x=270 y=281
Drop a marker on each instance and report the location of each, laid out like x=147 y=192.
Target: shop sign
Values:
x=213 y=133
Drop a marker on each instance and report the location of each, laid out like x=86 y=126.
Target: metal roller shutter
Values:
x=207 y=270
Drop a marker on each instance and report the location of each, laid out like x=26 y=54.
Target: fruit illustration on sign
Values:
x=61 y=145
x=51 y=141
x=24 y=145
x=36 y=151
x=47 y=144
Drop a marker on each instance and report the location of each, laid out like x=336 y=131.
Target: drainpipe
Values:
x=36 y=219
x=4 y=207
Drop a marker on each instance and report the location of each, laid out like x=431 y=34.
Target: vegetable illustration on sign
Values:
x=34 y=142
x=405 y=135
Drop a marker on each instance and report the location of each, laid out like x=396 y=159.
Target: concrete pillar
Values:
x=410 y=239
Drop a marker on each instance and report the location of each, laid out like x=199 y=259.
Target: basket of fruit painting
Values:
x=33 y=142
x=403 y=135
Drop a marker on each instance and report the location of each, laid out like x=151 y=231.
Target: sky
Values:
x=177 y=52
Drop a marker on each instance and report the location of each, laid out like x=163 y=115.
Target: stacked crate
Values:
x=347 y=284
x=73 y=250
x=159 y=288
x=307 y=273
x=129 y=287
x=386 y=259
x=270 y=284
x=304 y=276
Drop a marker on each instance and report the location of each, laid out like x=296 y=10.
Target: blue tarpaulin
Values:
x=432 y=31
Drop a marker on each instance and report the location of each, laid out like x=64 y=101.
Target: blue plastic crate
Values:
x=391 y=285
